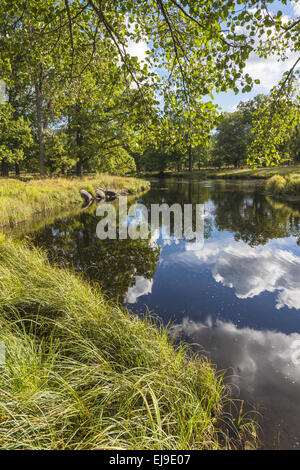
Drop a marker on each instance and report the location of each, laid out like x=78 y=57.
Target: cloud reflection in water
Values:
x=252 y=271
x=263 y=368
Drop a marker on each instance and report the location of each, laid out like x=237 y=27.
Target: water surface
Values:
x=238 y=296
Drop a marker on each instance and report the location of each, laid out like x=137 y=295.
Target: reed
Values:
x=83 y=373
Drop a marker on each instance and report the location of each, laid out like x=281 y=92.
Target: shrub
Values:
x=276 y=184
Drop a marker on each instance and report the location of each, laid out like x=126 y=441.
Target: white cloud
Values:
x=142 y=286
x=296 y=7
x=268 y=71
x=138 y=49
x=207 y=253
x=134 y=48
x=3 y=97
x=250 y=352
x=233 y=107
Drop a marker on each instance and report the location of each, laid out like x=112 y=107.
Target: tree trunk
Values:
x=79 y=142
x=79 y=168
x=17 y=169
x=190 y=159
x=40 y=125
x=4 y=168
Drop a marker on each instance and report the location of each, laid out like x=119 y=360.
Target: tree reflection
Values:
x=180 y=191
x=239 y=207
x=236 y=207
x=115 y=264
x=254 y=218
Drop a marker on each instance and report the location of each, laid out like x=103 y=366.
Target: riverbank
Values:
x=285 y=187
x=82 y=373
x=243 y=173
x=21 y=200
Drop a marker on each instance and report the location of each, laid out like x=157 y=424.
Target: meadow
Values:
x=20 y=200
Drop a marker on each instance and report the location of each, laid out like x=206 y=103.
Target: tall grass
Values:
x=20 y=200
x=284 y=185
x=82 y=373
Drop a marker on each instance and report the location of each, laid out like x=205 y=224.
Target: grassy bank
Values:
x=20 y=200
x=285 y=186
x=257 y=173
x=81 y=373
x=243 y=173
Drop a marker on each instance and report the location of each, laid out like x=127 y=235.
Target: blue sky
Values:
x=268 y=71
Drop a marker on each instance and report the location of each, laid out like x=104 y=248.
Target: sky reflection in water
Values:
x=238 y=296
x=241 y=302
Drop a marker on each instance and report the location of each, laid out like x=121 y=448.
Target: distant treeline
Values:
x=227 y=146
x=84 y=141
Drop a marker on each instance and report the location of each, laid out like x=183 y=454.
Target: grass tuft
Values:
x=288 y=185
x=83 y=373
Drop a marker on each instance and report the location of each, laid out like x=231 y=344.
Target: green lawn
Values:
x=243 y=173
x=259 y=173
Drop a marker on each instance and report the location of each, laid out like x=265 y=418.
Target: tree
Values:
x=59 y=52
x=62 y=48
x=202 y=154
x=31 y=61
x=15 y=138
x=272 y=123
x=292 y=144
x=268 y=140
x=112 y=263
x=60 y=157
x=232 y=138
x=281 y=111
x=202 y=46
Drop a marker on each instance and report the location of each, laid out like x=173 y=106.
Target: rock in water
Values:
x=100 y=194
x=110 y=195
x=86 y=196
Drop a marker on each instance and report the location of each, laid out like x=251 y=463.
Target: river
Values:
x=238 y=295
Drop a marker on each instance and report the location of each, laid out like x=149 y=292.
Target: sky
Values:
x=269 y=71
